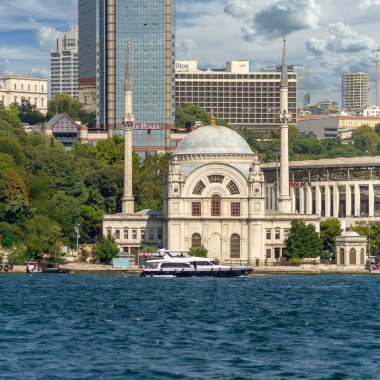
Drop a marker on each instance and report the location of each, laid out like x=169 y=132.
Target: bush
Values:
x=198 y=251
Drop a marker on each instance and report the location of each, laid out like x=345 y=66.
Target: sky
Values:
x=331 y=36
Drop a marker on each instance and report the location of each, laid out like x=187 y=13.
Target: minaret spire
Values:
x=284 y=201
x=128 y=121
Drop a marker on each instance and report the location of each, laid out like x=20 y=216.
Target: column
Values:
x=348 y=200
x=371 y=200
x=336 y=200
x=327 y=201
x=357 y=200
x=302 y=211
x=318 y=200
x=309 y=200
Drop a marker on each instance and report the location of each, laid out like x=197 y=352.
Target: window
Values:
x=235 y=246
x=215 y=205
x=151 y=234
x=215 y=178
x=196 y=209
x=142 y=234
x=198 y=189
x=352 y=256
x=277 y=234
x=15 y=86
x=269 y=254
x=341 y=256
x=286 y=234
x=269 y=234
x=134 y=234
x=159 y=234
x=126 y=234
x=235 y=209
x=196 y=240
x=117 y=234
x=232 y=188
x=109 y=232
x=22 y=87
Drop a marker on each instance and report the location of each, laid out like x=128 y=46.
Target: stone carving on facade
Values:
x=175 y=178
x=255 y=179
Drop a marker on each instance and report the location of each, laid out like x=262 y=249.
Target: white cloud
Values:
x=239 y=8
x=343 y=50
x=47 y=37
x=365 y=4
x=185 y=49
x=282 y=17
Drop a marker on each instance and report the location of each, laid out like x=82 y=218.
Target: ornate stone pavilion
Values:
x=214 y=196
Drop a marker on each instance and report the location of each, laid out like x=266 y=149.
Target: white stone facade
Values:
x=14 y=89
x=351 y=250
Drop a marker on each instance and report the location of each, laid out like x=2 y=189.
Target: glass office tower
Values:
x=149 y=24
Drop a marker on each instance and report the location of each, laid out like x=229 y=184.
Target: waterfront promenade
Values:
x=258 y=270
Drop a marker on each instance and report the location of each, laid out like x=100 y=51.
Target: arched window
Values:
x=215 y=205
x=341 y=256
x=199 y=187
x=352 y=256
x=235 y=246
x=232 y=188
x=362 y=256
x=196 y=240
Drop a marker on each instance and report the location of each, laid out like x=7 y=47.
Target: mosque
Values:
x=214 y=194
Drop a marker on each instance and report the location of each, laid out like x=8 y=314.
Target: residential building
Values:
x=242 y=98
x=105 y=26
x=372 y=111
x=303 y=82
x=64 y=64
x=14 y=89
x=355 y=91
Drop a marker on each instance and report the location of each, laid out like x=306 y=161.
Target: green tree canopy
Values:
x=371 y=230
x=303 y=241
x=365 y=140
x=329 y=229
x=64 y=103
x=198 y=251
x=105 y=250
x=190 y=112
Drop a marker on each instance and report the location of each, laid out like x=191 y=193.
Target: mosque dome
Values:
x=350 y=234
x=213 y=139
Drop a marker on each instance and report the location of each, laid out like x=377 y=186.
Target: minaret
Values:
x=128 y=120
x=284 y=201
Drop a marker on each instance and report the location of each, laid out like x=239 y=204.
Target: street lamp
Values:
x=76 y=230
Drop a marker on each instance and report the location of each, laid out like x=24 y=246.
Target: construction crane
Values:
x=376 y=62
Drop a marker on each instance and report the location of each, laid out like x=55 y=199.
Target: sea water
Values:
x=126 y=327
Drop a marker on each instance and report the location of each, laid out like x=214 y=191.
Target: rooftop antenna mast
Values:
x=376 y=61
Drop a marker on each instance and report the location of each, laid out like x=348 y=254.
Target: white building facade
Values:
x=64 y=64
x=14 y=89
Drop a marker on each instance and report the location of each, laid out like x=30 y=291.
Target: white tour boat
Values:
x=179 y=264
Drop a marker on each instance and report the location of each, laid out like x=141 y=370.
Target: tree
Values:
x=29 y=113
x=198 y=251
x=105 y=250
x=371 y=230
x=329 y=229
x=64 y=103
x=377 y=128
x=190 y=112
x=303 y=241
x=43 y=238
x=365 y=140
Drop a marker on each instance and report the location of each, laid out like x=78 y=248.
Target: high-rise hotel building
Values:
x=355 y=91
x=105 y=26
x=242 y=98
x=64 y=64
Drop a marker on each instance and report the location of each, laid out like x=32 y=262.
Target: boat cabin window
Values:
x=175 y=265
x=202 y=263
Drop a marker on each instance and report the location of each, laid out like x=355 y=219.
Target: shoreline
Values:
x=81 y=268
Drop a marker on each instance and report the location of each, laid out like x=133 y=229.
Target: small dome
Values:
x=350 y=234
x=213 y=139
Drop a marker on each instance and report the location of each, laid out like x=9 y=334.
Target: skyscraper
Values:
x=303 y=82
x=355 y=91
x=64 y=64
x=105 y=26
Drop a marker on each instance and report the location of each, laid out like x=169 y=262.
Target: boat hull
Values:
x=223 y=273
